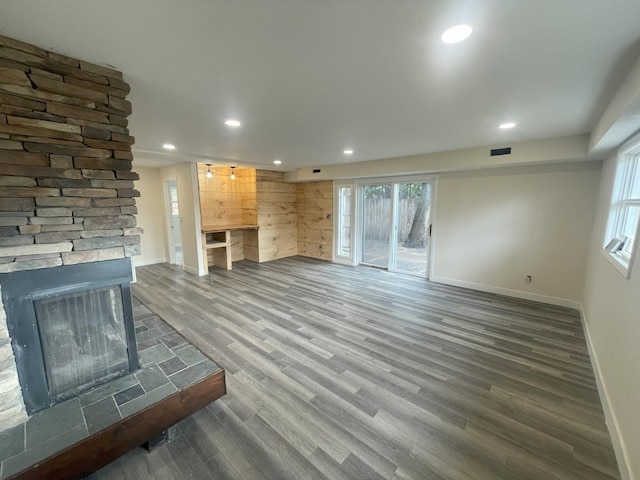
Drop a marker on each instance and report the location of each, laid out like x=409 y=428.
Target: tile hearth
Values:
x=168 y=364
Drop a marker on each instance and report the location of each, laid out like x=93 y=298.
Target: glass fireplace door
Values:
x=83 y=338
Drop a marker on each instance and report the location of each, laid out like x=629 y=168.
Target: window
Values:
x=343 y=227
x=624 y=216
x=344 y=221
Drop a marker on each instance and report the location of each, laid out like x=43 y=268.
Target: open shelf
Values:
x=219 y=237
x=215 y=244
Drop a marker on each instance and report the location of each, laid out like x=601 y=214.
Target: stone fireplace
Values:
x=67 y=228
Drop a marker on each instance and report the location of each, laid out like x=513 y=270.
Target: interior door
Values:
x=173 y=220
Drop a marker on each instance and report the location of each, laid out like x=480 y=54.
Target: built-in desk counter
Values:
x=219 y=236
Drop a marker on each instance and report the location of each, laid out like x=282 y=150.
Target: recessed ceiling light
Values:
x=507 y=125
x=456 y=34
x=232 y=123
x=169 y=146
x=348 y=151
x=277 y=162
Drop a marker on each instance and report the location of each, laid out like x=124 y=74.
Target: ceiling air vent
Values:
x=500 y=151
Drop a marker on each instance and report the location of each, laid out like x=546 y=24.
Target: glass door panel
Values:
x=412 y=228
x=376 y=224
x=343 y=239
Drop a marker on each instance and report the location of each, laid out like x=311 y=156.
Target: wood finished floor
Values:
x=355 y=373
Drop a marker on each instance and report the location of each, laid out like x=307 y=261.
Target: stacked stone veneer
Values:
x=12 y=410
x=66 y=185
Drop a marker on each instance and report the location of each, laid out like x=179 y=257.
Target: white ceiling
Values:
x=309 y=78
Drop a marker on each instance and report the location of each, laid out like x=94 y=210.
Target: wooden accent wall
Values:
x=220 y=197
x=276 y=202
x=247 y=180
x=294 y=219
x=315 y=219
x=66 y=185
x=227 y=202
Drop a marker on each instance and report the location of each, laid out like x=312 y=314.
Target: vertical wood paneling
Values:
x=276 y=203
x=246 y=178
x=237 y=248
x=250 y=246
x=224 y=201
x=315 y=222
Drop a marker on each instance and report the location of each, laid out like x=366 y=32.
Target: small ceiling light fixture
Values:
x=209 y=174
x=507 y=125
x=456 y=34
x=348 y=151
x=169 y=146
x=233 y=173
x=232 y=123
x=277 y=162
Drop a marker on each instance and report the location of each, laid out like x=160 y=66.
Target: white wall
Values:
x=150 y=217
x=186 y=179
x=496 y=226
x=538 y=152
x=612 y=315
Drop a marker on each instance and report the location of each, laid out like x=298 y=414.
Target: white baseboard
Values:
x=192 y=270
x=619 y=447
x=151 y=261
x=536 y=297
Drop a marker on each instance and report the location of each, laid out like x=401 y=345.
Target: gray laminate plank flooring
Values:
x=336 y=372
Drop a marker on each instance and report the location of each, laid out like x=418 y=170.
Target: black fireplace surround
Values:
x=71 y=328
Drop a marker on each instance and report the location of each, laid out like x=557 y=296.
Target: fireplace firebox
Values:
x=71 y=328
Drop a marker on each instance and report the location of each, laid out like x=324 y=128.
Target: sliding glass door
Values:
x=410 y=252
x=395 y=219
x=384 y=224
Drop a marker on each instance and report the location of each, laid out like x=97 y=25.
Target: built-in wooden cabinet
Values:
x=217 y=242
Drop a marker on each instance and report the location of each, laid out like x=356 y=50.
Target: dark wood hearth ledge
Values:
x=191 y=381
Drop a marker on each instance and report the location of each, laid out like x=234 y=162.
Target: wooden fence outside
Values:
x=377 y=213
